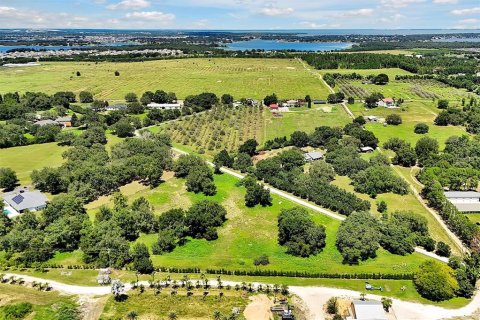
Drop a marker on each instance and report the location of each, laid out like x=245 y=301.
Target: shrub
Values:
x=332 y=305
x=443 y=249
x=421 y=128
x=17 y=311
x=435 y=281
x=262 y=260
x=442 y=104
x=394 y=119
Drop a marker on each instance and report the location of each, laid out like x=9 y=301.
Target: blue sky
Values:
x=240 y=14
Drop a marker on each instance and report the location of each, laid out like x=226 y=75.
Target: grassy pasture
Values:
x=412 y=113
x=44 y=303
x=240 y=77
x=249 y=233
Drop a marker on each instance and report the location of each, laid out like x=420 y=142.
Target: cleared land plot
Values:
x=412 y=113
x=253 y=78
x=44 y=304
x=304 y=120
x=151 y=306
x=251 y=232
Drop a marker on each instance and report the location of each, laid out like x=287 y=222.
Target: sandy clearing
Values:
x=259 y=308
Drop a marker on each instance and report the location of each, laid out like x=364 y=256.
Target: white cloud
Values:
x=396 y=4
x=272 y=11
x=7 y=10
x=130 y=4
x=151 y=15
x=469 y=21
x=393 y=18
x=366 y=12
x=314 y=25
x=464 y=12
x=445 y=1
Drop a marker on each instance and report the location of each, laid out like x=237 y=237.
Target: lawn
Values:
x=412 y=113
x=249 y=233
x=304 y=119
x=151 y=306
x=253 y=78
x=44 y=303
x=23 y=160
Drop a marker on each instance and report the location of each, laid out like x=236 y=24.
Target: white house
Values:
x=164 y=106
x=116 y=107
x=313 y=156
x=23 y=200
x=387 y=103
x=366 y=149
x=464 y=201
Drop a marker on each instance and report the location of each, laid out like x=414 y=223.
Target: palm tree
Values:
x=362 y=296
x=219 y=280
x=276 y=288
x=205 y=294
x=172 y=315
x=132 y=315
x=387 y=303
x=185 y=280
x=217 y=315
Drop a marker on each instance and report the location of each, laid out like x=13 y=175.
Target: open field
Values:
x=304 y=119
x=151 y=306
x=253 y=78
x=23 y=160
x=249 y=233
x=44 y=303
x=411 y=113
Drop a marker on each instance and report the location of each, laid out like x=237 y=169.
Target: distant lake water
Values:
x=270 y=45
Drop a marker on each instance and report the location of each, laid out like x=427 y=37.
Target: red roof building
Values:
x=273 y=106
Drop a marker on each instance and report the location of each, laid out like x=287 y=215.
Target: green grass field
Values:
x=253 y=78
x=44 y=303
x=304 y=119
x=412 y=113
x=249 y=233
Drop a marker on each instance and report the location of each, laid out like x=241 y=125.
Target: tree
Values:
x=249 y=147
x=382 y=206
x=166 y=242
x=223 y=159
x=308 y=100
x=372 y=100
x=351 y=100
x=141 y=259
x=332 y=305
x=271 y=99
x=49 y=180
x=405 y=156
x=298 y=232
x=131 y=97
x=425 y=148
x=203 y=218
x=132 y=315
x=117 y=73
x=8 y=179
x=379 y=179
x=257 y=194
x=299 y=139
x=381 y=79
x=124 y=128
x=421 y=128
x=227 y=99
x=358 y=237
x=118 y=289
x=387 y=303
x=442 y=104
x=435 y=281
x=86 y=97
x=394 y=119
x=360 y=120
x=443 y=249
x=242 y=162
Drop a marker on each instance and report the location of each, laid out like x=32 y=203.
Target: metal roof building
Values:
x=26 y=200
x=368 y=310
x=464 y=201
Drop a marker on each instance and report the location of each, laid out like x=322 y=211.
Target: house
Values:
x=165 y=106
x=273 y=106
x=366 y=149
x=251 y=102
x=464 y=201
x=23 y=200
x=319 y=102
x=291 y=103
x=367 y=310
x=64 y=121
x=116 y=107
x=313 y=156
x=387 y=103
x=46 y=122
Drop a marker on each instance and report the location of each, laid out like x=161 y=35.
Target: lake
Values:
x=271 y=45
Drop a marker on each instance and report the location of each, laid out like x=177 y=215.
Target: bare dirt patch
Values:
x=259 y=308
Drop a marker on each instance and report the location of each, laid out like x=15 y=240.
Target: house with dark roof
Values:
x=23 y=200
x=45 y=122
x=464 y=201
x=64 y=121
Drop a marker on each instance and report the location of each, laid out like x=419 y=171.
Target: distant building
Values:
x=372 y=118
x=45 y=122
x=319 y=102
x=366 y=149
x=464 y=201
x=116 y=107
x=368 y=310
x=164 y=106
x=291 y=103
x=24 y=200
x=313 y=156
x=273 y=106
x=64 y=121
x=387 y=103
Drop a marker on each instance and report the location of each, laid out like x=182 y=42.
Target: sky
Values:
x=241 y=14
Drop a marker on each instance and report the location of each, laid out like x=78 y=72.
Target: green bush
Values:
x=17 y=311
x=435 y=281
